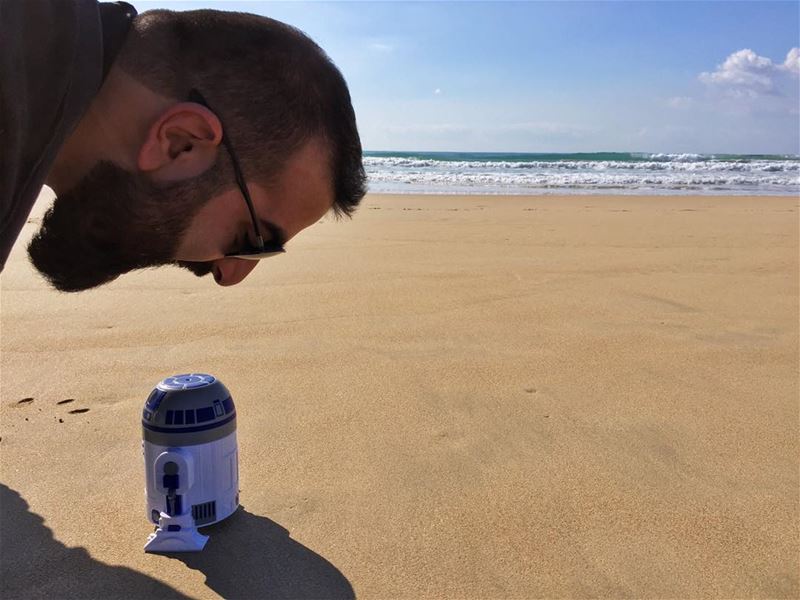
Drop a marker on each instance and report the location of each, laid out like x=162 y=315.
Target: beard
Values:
x=112 y=222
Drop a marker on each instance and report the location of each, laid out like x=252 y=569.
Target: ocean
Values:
x=581 y=173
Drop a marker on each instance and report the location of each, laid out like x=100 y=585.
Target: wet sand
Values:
x=447 y=397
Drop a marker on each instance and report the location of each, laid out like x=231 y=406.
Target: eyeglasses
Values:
x=260 y=249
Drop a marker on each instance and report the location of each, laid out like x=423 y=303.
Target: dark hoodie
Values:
x=52 y=63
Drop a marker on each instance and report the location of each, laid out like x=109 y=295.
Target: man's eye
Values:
x=237 y=245
x=252 y=240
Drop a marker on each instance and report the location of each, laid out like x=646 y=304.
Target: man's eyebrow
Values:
x=276 y=234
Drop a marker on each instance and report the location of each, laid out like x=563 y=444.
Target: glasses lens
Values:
x=255 y=254
x=272 y=247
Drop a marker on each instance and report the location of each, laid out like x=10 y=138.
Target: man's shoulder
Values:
x=50 y=69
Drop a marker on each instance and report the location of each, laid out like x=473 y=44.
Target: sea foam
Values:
x=480 y=173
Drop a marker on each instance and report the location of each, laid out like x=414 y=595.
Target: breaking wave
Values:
x=481 y=173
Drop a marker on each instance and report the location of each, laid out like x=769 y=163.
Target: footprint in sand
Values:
x=67 y=401
x=78 y=411
x=25 y=401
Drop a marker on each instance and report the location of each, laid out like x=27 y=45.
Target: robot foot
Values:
x=185 y=540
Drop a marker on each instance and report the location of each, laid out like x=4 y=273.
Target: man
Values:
x=205 y=139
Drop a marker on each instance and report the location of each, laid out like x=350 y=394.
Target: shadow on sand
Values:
x=253 y=557
x=247 y=557
x=35 y=565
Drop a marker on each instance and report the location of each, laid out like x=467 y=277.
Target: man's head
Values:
x=146 y=178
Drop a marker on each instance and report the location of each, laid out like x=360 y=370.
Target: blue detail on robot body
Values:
x=189 y=429
x=205 y=513
x=174 y=505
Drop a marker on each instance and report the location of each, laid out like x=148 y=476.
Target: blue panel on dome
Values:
x=155 y=398
x=190 y=416
x=187 y=381
x=168 y=418
x=192 y=429
x=205 y=414
x=178 y=418
x=227 y=404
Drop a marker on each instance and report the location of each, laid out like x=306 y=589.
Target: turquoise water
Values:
x=590 y=172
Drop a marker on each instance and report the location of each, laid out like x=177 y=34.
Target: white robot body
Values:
x=191 y=460
x=211 y=485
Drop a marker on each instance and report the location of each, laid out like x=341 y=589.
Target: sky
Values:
x=672 y=77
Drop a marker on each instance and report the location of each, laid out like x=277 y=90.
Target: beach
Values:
x=446 y=397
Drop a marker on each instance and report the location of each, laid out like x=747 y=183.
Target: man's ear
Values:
x=182 y=143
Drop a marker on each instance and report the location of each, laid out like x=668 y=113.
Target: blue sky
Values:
x=708 y=77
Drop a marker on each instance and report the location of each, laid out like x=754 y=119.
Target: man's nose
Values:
x=230 y=271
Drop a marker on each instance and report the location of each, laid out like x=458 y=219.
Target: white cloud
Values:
x=381 y=47
x=746 y=74
x=428 y=129
x=513 y=132
x=437 y=92
x=680 y=102
x=547 y=128
x=792 y=62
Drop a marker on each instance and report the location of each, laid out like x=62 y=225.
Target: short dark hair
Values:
x=274 y=88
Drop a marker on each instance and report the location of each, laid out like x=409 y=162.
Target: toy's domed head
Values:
x=188 y=409
x=187 y=381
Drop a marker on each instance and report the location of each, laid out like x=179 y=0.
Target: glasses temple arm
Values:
x=243 y=187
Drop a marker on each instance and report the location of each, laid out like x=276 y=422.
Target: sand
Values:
x=447 y=397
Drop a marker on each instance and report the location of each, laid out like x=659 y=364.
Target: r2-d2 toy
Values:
x=191 y=460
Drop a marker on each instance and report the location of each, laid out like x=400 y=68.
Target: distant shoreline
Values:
x=620 y=173
x=594 y=155
x=562 y=194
